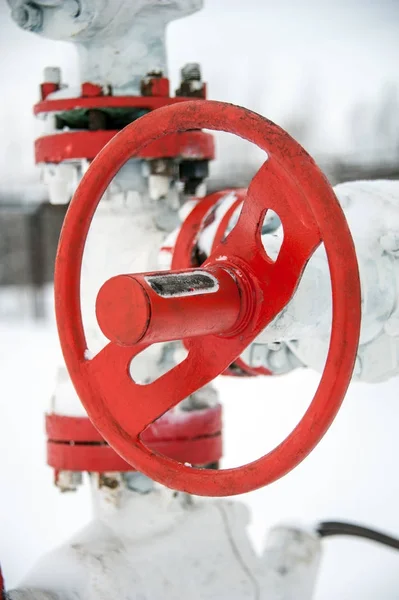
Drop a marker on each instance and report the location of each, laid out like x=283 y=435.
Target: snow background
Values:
x=319 y=60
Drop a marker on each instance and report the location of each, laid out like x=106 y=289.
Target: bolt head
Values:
x=191 y=72
x=156 y=72
x=52 y=75
x=68 y=481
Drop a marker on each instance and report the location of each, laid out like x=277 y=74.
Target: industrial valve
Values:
x=217 y=309
x=185 y=286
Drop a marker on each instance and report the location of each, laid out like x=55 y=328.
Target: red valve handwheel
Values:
x=186 y=242
x=291 y=184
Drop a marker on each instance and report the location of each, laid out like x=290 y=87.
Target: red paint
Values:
x=289 y=183
x=74 y=444
x=48 y=88
x=69 y=145
x=91 y=90
x=102 y=458
x=225 y=220
x=183 y=426
x=129 y=310
x=67 y=104
x=250 y=371
x=158 y=86
x=85 y=457
x=191 y=228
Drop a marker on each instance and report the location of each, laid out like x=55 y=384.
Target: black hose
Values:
x=329 y=528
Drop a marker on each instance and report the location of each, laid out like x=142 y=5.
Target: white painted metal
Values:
x=61 y=180
x=372 y=211
x=172 y=546
x=302 y=329
x=118 y=41
x=31 y=594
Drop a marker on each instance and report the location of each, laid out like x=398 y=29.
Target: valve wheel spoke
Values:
x=253 y=290
x=272 y=189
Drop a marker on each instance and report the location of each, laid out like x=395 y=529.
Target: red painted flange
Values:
x=70 y=145
x=101 y=458
x=81 y=102
x=74 y=444
x=183 y=425
x=290 y=184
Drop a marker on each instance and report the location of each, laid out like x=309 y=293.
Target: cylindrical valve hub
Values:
x=165 y=306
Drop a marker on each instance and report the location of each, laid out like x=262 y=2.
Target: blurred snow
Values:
x=290 y=61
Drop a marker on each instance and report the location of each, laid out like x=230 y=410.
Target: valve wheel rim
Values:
x=318 y=216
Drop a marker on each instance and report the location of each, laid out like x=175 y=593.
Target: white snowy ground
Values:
x=351 y=475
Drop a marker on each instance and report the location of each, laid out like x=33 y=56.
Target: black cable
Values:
x=329 y=528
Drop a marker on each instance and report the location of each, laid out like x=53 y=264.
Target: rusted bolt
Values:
x=191 y=85
x=191 y=72
x=68 y=481
x=155 y=73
